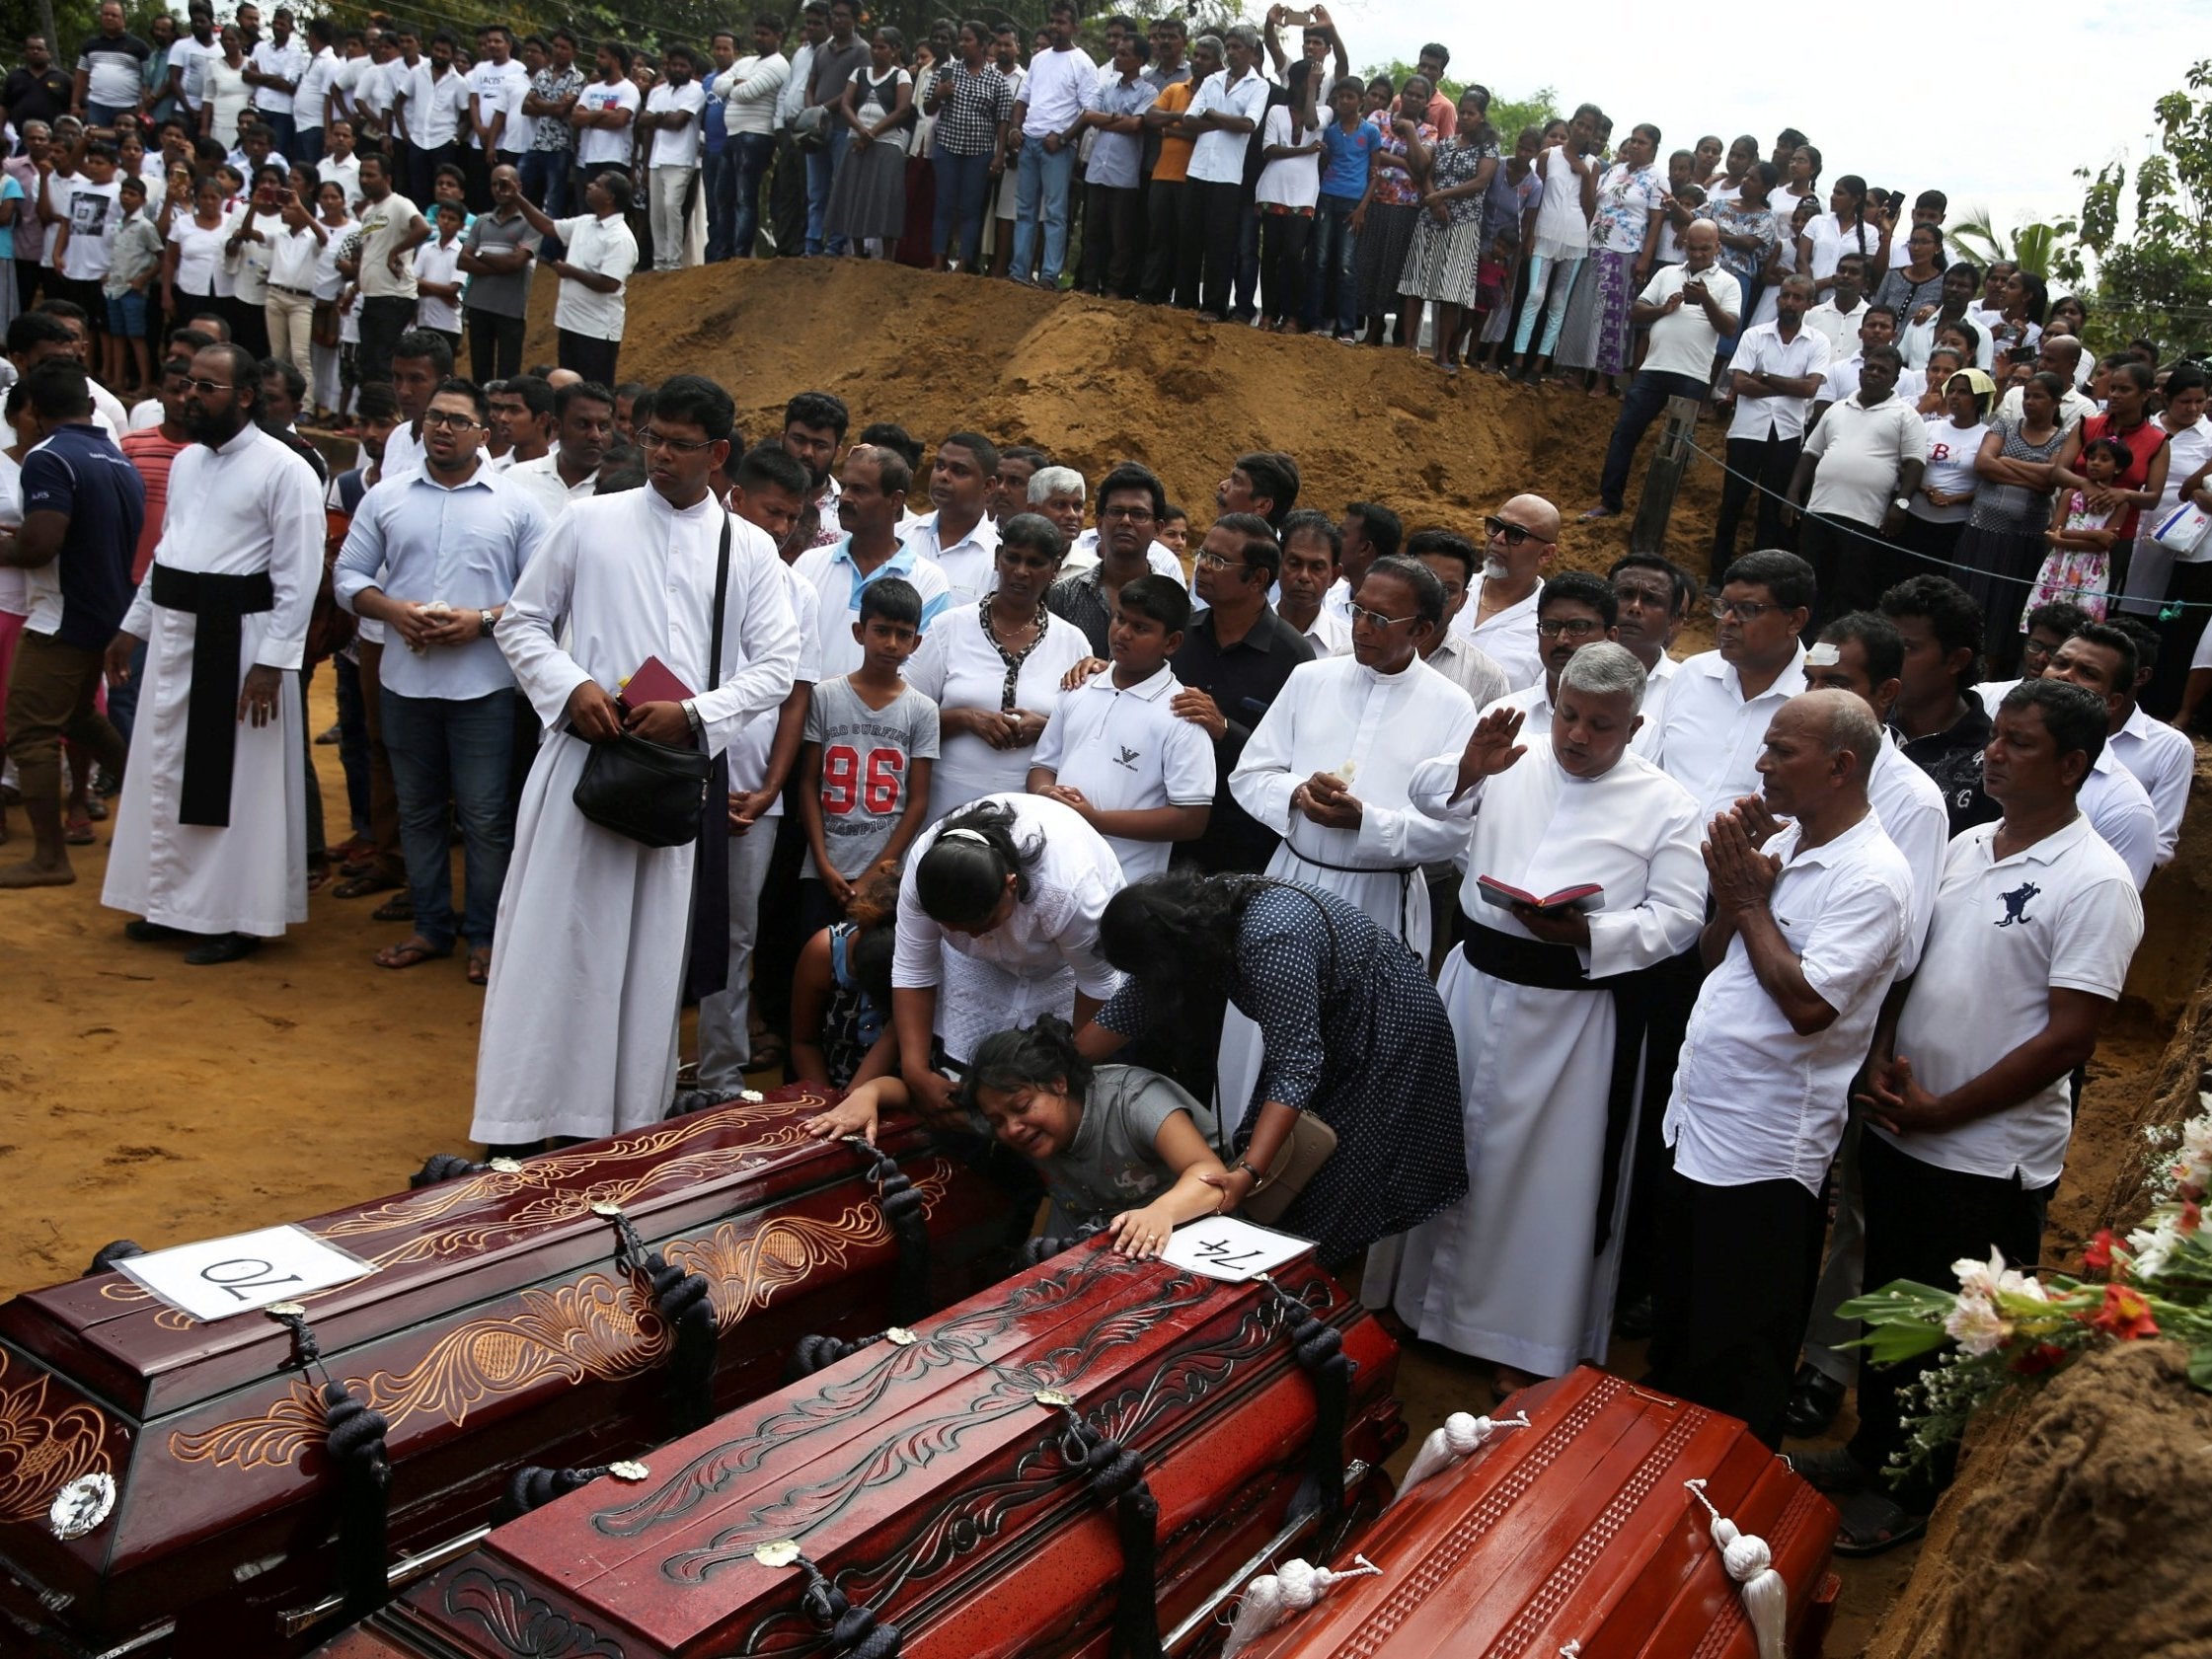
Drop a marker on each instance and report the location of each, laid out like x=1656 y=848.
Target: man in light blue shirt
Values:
x=435 y=555
x=1113 y=201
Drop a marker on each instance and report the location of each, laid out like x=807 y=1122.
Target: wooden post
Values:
x=1648 y=534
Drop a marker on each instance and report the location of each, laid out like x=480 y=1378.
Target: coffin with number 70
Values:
x=168 y=1487
x=1081 y=1462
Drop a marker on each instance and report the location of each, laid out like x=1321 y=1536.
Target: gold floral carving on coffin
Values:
x=600 y=1327
x=42 y=1452
x=549 y=1176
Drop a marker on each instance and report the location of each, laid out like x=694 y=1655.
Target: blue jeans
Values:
x=753 y=152
x=1330 y=286
x=307 y=145
x=1042 y=187
x=109 y=114
x=1643 y=402
x=821 y=167
x=963 y=188
x=544 y=179
x=454 y=749
x=717 y=177
x=352 y=741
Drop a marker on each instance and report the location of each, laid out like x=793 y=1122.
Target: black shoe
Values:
x=1815 y=1401
x=153 y=933
x=1832 y=1469
x=220 y=949
x=1633 y=1320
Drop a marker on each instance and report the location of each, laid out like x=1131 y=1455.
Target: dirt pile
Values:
x=1098 y=381
x=2082 y=1533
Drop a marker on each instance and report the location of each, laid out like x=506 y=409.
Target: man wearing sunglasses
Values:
x=434 y=556
x=210 y=839
x=1521 y=537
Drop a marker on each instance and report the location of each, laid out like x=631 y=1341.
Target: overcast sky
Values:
x=1724 y=73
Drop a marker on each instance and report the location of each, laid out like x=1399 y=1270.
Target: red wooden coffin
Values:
x=1578 y=1530
x=933 y=1488
x=499 y=1331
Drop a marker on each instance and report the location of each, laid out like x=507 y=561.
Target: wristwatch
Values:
x=486 y=621
x=1902 y=504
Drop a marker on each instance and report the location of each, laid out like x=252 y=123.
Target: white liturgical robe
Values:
x=253 y=505
x=1510 y=1272
x=580 y=1022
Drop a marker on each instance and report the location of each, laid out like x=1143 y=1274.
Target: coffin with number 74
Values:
x=171 y=1487
x=1081 y=1462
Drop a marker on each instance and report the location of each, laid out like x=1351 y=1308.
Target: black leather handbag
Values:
x=654 y=793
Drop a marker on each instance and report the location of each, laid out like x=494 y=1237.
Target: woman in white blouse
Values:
x=994 y=670
x=224 y=91
x=193 y=277
x=997 y=923
x=256 y=230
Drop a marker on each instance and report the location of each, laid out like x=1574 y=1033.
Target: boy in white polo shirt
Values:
x=1115 y=752
x=1969 y=1105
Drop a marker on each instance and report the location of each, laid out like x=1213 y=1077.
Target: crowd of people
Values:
x=1387 y=880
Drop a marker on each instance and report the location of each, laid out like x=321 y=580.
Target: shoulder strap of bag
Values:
x=722 y=599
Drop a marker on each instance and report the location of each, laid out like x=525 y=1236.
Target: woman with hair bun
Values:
x=997 y=923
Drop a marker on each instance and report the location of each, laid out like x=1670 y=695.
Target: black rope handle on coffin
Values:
x=685 y=1303
x=354 y=1435
x=855 y=1631
x=903 y=1212
x=1117 y=1475
x=533 y=1487
x=105 y=1258
x=444 y=1166
x=1320 y=1350
x=818 y=1353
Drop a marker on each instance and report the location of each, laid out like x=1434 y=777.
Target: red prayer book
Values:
x=1505 y=896
x=653 y=682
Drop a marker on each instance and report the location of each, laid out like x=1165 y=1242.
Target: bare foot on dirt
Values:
x=29 y=873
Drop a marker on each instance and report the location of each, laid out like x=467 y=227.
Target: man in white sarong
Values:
x=580 y=1022
x=211 y=833
x=1521 y=1271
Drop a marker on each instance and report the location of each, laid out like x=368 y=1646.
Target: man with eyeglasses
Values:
x=1523 y=535
x=435 y=555
x=1130 y=502
x=211 y=838
x=1236 y=656
x=959 y=537
x=580 y=1024
x=1575 y=610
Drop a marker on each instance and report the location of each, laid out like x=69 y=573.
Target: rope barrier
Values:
x=2170 y=610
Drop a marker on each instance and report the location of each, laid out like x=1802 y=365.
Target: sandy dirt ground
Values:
x=143 y=1099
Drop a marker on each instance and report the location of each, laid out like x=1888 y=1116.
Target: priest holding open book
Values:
x=1583 y=869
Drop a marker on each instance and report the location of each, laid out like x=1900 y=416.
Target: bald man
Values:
x=1810 y=918
x=1519 y=540
x=564 y=377
x=2059 y=354
x=1687 y=307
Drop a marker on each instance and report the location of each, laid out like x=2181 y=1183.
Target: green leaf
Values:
x=1902 y=1301
x=2200 y=1367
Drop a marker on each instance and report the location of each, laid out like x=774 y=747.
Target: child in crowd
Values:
x=1116 y=752
x=1173 y=531
x=841 y=1030
x=864 y=772
x=2078 y=566
x=132 y=264
x=438 y=276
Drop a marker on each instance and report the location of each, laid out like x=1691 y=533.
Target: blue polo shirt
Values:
x=78 y=472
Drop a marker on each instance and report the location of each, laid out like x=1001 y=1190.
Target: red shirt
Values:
x=151 y=454
x=2141 y=444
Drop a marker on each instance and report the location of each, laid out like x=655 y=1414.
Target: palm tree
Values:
x=2048 y=249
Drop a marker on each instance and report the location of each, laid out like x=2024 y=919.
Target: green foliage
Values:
x=2157 y=281
x=2051 y=251
x=1903 y=1320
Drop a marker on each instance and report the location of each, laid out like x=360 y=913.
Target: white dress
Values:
x=579 y=1020
x=959 y=667
x=1509 y=1273
x=1039 y=957
x=255 y=506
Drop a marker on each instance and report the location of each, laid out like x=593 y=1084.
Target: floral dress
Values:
x=2077 y=574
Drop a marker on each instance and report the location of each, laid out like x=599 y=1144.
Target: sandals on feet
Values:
x=410 y=953
x=399 y=908
x=360 y=886
x=480 y=965
x=1874 y=1523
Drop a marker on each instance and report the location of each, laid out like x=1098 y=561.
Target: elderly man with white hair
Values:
x=1542 y=999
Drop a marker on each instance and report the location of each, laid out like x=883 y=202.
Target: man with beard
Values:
x=211 y=836
x=1523 y=535
x=583 y=422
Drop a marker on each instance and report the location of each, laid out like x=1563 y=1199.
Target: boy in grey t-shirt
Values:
x=865 y=768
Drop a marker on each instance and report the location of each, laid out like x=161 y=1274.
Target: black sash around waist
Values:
x=221 y=604
x=1558 y=967
x=1404 y=872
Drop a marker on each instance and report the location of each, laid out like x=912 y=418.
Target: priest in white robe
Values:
x=211 y=832
x=1521 y=1273
x=581 y=1018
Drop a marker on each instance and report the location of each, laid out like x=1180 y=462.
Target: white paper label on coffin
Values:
x=218 y=1277
x=1225 y=1248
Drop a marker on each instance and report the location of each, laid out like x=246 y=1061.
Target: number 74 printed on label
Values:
x=1225 y=1248
x=218 y=1277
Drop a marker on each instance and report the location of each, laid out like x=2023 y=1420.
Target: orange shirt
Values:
x=1175 y=153
x=151 y=454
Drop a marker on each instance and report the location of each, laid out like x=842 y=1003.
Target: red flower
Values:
x=2125 y=1315
x=2192 y=1218
x=2044 y=1356
x=2098 y=1254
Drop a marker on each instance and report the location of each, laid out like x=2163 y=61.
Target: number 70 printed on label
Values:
x=218 y=1277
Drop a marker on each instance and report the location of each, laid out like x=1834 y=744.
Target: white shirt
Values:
x=1712 y=736
x=749 y=89
x=1952 y=449
x=957 y=667
x=1509 y=639
x=314 y=87
x=2060 y=915
x=1058 y=91
x=1083 y=553
x=287 y=62
x=1051 y=935
x=837 y=582
x=2164 y=762
x=756 y=738
x=1761 y=349
x=970 y=565
x=600 y=146
x=1831 y=242
x=1839 y=327
x=1753 y=1099
x=193 y=58
x=790 y=98
x=679 y=148
x=439 y=262
x=1633 y=830
x=1289 y=181
x=606 y=247
x=1911 y=809
x=1683 y=341
x=346 y=175
x=2120 y=810
x=1861 y=452
x=1126 y=753
x=436 y=103
x=1218 y=155
x=1330 y=634
x=1468 y=667
x=542 y=480
x=493 y=85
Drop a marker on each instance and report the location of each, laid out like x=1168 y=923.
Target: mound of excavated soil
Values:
x=2082 y=1537
x=1098 y=381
